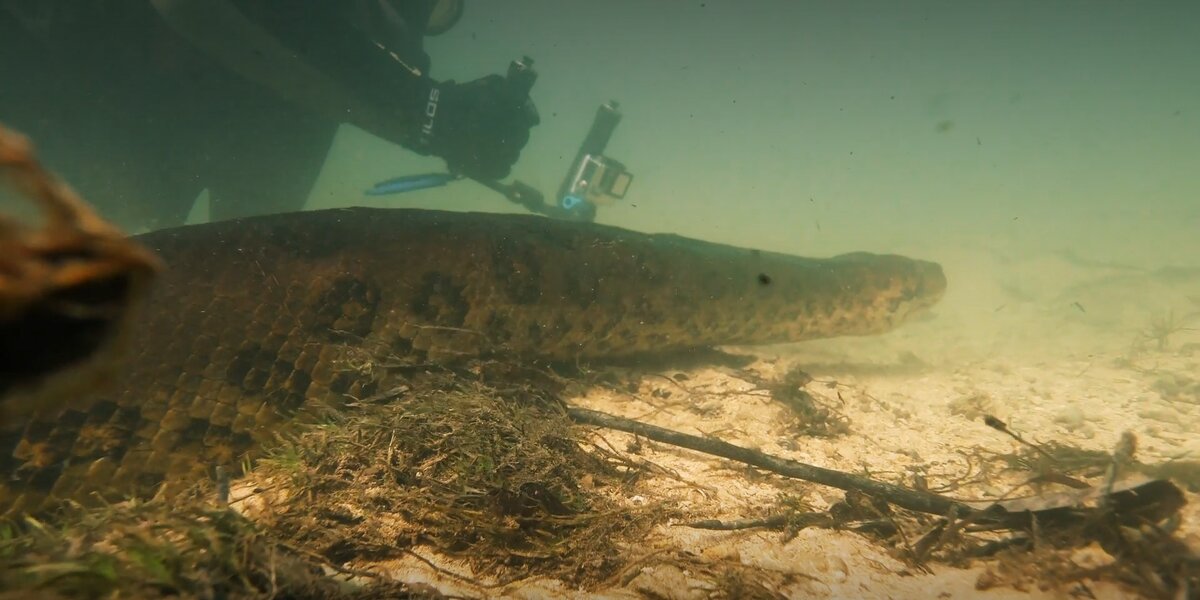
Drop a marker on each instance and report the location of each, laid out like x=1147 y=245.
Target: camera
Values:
x=595 y=179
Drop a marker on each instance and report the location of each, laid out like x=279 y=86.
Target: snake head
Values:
x=884 y=291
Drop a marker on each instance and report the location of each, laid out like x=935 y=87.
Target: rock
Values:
x=1162 y=415
x=1071 y=418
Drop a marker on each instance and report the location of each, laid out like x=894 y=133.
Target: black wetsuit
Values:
x=140 y=121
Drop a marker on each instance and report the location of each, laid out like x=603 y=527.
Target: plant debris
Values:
x=492 y=485
x=505 y=484
x=70 y=284
x=155 y=549
x=813 y=417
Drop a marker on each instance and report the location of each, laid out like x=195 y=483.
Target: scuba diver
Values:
x=142 y=104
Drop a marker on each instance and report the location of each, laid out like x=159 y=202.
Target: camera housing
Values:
x=595 y=179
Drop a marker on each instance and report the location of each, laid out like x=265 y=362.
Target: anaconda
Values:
x=257 y=320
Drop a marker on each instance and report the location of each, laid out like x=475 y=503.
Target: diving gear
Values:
x=592 y=179
x=248 y=49
x=480 y=127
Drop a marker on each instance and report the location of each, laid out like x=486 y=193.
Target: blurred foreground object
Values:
x=69 y=286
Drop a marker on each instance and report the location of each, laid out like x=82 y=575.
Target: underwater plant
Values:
x=1163 y=326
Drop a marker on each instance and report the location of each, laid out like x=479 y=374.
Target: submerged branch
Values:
x=900 y=496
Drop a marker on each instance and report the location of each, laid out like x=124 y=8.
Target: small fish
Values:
x=410 y=183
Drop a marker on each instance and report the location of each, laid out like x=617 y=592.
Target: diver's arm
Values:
x=393 y=81
x=479 y=127
x=307 y=52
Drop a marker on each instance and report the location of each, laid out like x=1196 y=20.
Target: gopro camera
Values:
x=595 y=179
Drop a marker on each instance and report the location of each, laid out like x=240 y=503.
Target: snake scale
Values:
x=257 y=320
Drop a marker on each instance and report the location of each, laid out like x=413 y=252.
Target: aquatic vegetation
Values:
x=1161 y=327
x=813 y=416
x=496 y=477
x=150 y=550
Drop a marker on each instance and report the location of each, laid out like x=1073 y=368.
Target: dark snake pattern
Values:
x=258 y=320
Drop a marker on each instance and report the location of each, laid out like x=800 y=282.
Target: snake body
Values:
x=259 y=319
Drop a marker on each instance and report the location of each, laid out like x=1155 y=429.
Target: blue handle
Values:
x=409 y=183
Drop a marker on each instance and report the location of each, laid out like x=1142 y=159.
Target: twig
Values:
x=1002 y=427
x=902 y=497
x=771 y=522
